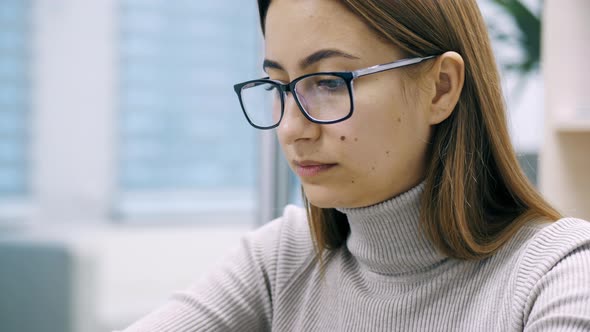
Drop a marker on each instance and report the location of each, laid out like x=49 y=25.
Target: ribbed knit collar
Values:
x=386 y=238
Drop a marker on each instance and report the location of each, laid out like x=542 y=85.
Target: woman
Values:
x=418 y=215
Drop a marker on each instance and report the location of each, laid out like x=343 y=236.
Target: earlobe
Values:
x=449 y=76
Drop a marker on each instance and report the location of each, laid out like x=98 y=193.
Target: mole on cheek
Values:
x=356 y=139
x=387 y=152
x=399 y=120
x=343 y=138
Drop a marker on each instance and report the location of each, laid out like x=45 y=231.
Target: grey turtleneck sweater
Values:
x=388 y=277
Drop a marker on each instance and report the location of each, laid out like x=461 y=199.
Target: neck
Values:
x=386 y=238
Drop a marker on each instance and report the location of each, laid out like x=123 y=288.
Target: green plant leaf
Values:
x=529 y=25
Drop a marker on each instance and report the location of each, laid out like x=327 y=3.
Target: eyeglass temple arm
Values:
x=387 y=66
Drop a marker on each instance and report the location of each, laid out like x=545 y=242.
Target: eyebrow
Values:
x=310 y=59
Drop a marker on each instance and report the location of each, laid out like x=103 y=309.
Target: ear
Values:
x=448 y=76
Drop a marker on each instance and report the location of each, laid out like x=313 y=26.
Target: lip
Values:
x=310 y=168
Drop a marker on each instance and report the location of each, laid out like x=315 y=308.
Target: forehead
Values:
x=297 y=28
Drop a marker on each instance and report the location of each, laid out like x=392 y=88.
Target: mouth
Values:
x=310 y=168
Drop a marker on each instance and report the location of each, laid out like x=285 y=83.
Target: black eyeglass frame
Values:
x=348 y=77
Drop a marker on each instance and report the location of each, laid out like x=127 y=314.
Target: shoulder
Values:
x=548 y=243
x=283 y=246
x=553 y=262
x=287 y=232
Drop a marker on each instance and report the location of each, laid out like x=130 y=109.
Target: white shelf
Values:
x=564 y=157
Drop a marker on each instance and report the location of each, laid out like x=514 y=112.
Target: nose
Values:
x=295 y=126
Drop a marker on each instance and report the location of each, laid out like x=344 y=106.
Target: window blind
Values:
x=181 y=126
x=14 y=97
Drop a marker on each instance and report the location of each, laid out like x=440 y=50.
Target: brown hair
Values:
x=476 y=196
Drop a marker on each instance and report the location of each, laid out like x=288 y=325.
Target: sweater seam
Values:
x=306 y=265
x=521 y=276
x=276 y=276
x=287 y=217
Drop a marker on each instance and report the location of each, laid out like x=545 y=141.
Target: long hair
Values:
x=476 y=196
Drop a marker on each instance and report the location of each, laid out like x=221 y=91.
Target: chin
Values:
x=327 y=199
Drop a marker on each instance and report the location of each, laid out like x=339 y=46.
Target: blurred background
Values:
x=127 y=167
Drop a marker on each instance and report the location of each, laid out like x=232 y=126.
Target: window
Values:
x=14 y=105
x=185 y=147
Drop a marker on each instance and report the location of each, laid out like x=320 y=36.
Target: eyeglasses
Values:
x=323 y=98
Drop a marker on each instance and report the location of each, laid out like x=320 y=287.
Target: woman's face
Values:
x=380 y=151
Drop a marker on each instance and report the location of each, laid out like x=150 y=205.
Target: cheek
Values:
x=380 y=121
x=371 y=146
x=380 y=103
x=389 y=136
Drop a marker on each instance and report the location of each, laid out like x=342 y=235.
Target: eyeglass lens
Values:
x=324 y=98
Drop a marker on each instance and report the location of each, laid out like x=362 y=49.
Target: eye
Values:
x=331 y=84
x=270 y=87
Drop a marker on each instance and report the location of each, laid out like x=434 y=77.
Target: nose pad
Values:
x=294 y=125
x=291 y=107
